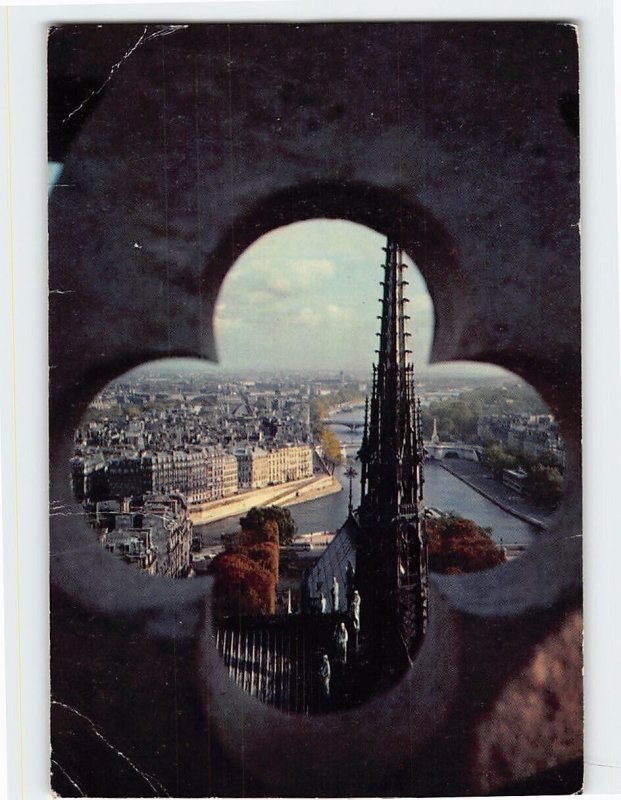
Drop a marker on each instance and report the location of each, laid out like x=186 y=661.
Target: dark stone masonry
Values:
x=458 y=139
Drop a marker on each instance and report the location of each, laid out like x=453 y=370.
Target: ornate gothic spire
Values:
x=391 y=451
x=392 y=557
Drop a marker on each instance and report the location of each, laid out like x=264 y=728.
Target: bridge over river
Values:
x=435 y=451
x=442 y=489
x=352 y=424
x=438 y=451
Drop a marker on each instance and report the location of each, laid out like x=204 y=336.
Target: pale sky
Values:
x=306 y=297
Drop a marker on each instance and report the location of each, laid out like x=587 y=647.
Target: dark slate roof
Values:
x=334 y=562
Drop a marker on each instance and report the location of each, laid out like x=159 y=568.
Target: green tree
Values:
x=497 y=459
x=517 y=398
x=545 y=485
x=257 y=518
x=457 y=545
x=426 y=421
x=544 y=475
x=317 y=412
x=456 y=419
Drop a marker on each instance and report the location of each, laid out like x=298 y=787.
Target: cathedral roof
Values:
x=333 y=563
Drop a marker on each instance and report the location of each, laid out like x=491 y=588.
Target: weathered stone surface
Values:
x=531 y=727
x=456 y=137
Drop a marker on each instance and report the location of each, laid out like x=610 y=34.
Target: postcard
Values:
x=315 y=408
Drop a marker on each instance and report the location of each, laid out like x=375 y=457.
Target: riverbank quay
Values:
x=474 y=475
x=282 y=495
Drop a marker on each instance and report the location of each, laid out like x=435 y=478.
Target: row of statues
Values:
x=319 y=604
x=335 y=592
x=341 y=640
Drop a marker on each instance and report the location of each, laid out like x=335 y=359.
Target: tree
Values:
x=550 y=459
x=242 y=586
x=247 y=572
x=456 y=419
x=265 y=555
x=457 y=545
x=256 y=518
x=545 y=485
x=426 y=421
x=331 y=447
x=544 y=476
x=497 y=459
x=256 y=529
x=317 y=412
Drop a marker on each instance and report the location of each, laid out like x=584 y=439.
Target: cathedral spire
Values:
x=392 y=449
x=392 y=558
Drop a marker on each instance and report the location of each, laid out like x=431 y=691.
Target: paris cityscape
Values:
x=316 y=379
x=302 y=493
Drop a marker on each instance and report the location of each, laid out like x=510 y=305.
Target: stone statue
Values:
x=341 y=638
x=355 y=614
x=324 y=675
x=335 y=594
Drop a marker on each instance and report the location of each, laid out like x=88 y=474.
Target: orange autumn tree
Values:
x=242 y=586
x=247 y=573
x=457 y=545
x=266 y=556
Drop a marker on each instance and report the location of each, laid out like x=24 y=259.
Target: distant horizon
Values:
x=185 y=368
x=304 y=300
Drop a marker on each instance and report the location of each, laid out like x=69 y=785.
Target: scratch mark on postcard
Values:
x=165 y=30
x=153 y=782
x=69 y=778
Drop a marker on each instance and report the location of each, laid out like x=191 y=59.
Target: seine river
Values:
x=441 y=490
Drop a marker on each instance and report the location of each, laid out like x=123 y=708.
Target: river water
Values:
x=441 y=490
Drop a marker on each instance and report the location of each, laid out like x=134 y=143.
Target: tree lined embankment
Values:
x=323 y=435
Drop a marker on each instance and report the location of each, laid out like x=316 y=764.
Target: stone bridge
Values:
x=438 y=451
x=353 y=425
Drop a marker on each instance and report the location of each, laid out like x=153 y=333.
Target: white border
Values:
x=602 y=390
